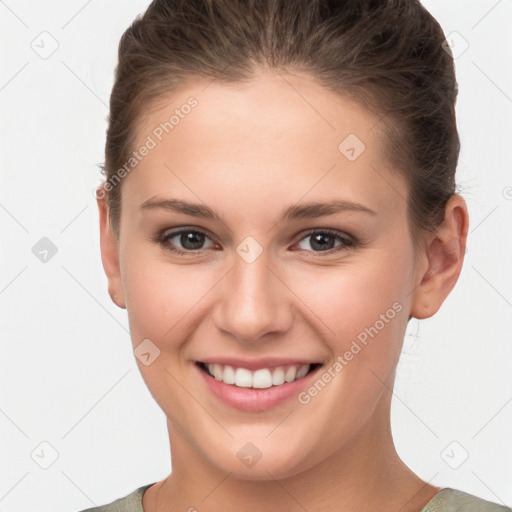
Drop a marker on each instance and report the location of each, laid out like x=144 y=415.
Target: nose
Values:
x=254 y=301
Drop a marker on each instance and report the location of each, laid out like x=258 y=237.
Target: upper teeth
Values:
x=262 y=378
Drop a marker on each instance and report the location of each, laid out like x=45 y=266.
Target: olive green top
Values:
x=446 y=500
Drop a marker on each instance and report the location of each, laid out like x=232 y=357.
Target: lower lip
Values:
x=254 y=400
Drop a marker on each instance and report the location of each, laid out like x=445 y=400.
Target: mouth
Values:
x=260 y=378
x=259 y=385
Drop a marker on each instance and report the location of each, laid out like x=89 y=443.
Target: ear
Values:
x=444 y=255
x=110 y=252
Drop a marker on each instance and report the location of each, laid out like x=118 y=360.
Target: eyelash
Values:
x=347 y=243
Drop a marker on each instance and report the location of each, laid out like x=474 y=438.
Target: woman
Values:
x=279 y=201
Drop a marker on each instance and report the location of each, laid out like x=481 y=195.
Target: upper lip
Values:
x=255 y=364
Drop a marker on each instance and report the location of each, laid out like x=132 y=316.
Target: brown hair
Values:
x=386 y=54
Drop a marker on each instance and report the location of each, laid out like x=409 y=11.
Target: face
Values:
x=224 y=260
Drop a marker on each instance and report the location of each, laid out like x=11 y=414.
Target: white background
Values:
x=67 y=373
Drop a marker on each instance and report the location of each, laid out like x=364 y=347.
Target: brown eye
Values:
x=184 y=241
x=324 y=240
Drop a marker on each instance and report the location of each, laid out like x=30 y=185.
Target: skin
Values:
x=249 y=151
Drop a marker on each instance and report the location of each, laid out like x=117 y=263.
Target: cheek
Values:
x=164 y=302
x=362 y=300
x=162 y=299
x=354 y=295
x=364 y=305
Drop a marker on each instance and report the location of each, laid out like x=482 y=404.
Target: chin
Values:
x=269 y=463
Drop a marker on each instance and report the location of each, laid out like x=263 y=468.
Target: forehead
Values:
x=277 y=138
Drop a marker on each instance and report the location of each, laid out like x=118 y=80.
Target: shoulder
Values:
x=453 y=500
x=130 y=503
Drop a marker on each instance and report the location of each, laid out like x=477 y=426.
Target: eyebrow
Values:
x=303 y=211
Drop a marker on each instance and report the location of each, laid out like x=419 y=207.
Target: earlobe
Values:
x=445 y=255
x=110 y=254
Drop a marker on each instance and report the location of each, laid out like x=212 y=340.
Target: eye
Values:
x=191 y=240
x=324 y=240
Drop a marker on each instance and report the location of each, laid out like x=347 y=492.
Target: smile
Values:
x=268 y=382
x=261 y=378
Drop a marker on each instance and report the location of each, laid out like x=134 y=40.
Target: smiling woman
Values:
x=276 y=238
